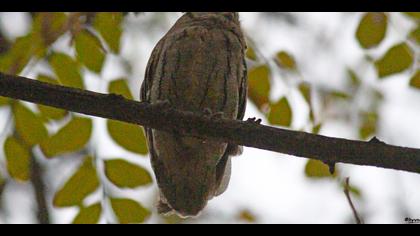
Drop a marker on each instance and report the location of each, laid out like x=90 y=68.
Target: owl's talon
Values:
x=254 y=120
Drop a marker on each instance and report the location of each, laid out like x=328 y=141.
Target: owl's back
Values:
x=197 y=65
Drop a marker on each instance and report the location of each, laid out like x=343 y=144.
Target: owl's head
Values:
x=230 y=16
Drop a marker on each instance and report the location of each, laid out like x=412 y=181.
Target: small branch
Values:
x=353 y=209
x=251 y=134
x=40 y=192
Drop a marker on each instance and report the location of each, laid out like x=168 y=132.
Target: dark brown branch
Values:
x=353 y=208
x=301 y=144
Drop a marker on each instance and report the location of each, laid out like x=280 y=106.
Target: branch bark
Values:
x=300 y=144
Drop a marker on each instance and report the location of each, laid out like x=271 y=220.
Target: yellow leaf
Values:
x=46 y=111
x=354 y=79
x=67 y=70
x=285 y=60
x=317 y=128
x=89 y=51
x=247 y=216
x=305 y=90
x=368 y=127
x=70 y=138
x=120 y=87
x=83 y=182
x=129 y=136
x=4 y=101
x=414 y=15
x=29 y=125
x=50 y=25
x=124 y=174
x=372 y=29
x=129 y=211
x=18 y=159
x=415 y=35
x=397 y=59
x=281 y=113
x=415 y=80
x=317 y=169
x=259 y=85
x=250 y=54
x=21 y=52
x=89 y=215
x=108 y=24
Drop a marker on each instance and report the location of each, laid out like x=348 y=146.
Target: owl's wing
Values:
x=150 y=71
x=223 y=170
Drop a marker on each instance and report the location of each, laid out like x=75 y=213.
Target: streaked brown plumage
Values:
x=198 y=65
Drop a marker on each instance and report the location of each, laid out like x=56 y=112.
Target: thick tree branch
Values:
x=301 y=144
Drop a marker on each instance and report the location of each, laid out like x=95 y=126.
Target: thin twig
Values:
x=353 y=209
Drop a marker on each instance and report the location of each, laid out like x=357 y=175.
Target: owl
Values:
x=198 y=66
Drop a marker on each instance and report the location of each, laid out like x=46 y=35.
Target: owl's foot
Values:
x=217 y=115
x=254 y=120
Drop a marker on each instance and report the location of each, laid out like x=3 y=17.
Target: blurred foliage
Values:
x=93 y=36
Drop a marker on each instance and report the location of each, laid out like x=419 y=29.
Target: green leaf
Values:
x=372 y=29
x=4 y=101
x=29 y=125
x=354 y=79
x=21 y=52
x=126 y=175
x=89 y=51
x=305 y=90
x=89 y=215
x=285 y=60
x=415 y=35
x=317 y=170
x=281 y=113
x=46 y=111
x=108 y=24
x=259 y=85
x=339 y=94
x=129 y=136
x=129 y=211
x=247 y=216
x=70 y=138
x=415 y=80
x=67 y=70
x=413 y=15
x=120 y=87
x=18 y=159
x=368 y=126
x=352 y=189
x=250 y=54
x=316 y=128
x=50 y=25
x=83 y=182
x=398 y=59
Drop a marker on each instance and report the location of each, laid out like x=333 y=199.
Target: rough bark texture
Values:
x=296 y=143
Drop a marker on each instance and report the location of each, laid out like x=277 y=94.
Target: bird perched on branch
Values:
x=198 y=66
